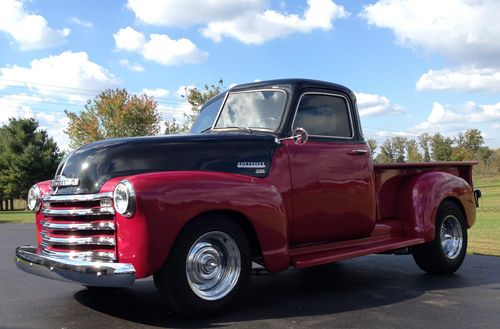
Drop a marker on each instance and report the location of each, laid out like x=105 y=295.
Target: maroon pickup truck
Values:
x=276 y=173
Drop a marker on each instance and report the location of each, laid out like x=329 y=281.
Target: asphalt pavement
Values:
x=380 y=291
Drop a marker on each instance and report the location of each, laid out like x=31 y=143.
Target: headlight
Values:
x=124 y=198
x=34 y=198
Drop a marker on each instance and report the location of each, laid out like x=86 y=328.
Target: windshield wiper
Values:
x=247 y=129
x=205 y=130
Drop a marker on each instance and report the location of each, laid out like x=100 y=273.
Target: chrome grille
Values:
x=79 y=227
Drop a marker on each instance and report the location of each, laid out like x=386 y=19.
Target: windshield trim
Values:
x=251 y=91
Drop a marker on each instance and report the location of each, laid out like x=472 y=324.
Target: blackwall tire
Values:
x=208 y=267
x=446 y=253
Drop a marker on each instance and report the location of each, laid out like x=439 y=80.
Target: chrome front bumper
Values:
x=98 y=274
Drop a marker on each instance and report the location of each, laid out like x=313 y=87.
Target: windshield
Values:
x=260 y=109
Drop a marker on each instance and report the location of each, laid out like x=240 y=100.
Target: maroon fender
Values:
x=419 y=198
x=166 y=201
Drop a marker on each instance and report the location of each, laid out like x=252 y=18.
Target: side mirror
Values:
x=300 y=136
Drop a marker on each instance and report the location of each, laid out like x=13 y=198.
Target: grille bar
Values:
x=81 y=255
x=107 y=225
x=78 y=197
x=78 y=212
x=74 y=240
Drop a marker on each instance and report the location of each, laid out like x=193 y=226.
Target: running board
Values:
x=343 y=251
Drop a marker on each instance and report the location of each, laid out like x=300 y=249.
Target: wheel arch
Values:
x=242 y=220
x=458 y=203
x=420 y=197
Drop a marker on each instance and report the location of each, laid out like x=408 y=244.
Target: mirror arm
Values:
x=300 y=137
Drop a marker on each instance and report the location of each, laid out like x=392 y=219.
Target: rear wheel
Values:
x=207 y=268
x=446 y=253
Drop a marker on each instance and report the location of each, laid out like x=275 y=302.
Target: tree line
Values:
x=467 y=146
x=27 y=155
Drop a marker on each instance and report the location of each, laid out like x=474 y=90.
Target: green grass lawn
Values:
x=17 y=216
x=484 y=236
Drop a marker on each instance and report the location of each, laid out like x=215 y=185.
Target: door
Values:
x=332 y=174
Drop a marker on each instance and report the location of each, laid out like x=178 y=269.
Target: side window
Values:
x=324 y=115
x=207 y=116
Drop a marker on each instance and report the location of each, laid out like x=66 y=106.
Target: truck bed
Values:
x=389 y=177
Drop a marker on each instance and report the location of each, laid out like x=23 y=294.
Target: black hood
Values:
x=96 y=163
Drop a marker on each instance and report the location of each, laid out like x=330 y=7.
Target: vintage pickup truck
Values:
x=275 y=172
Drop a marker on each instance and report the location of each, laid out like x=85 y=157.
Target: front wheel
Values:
x=446 y=253
x=208 y=266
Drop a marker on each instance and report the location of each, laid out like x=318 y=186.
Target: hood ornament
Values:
x=61 y=181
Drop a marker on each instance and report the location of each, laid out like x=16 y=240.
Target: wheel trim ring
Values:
x=213 y=265
x=451 y=237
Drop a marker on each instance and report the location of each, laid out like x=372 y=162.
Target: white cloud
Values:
x=28 y=30
x=136 y=67
x=78 y=21
x=14 y=106
x=257 y=28
x=387 y=133
x=372 y=104
x=157 y=92
x=446 y=118
x=175 y=111
x=462 y=30
x=182 y=90
x=21 y=106
x=55 y=128
x=249 y=21
x=159 y=48
x=464 y=79
x=69 y=75
x=129 y=39
x=189 y=12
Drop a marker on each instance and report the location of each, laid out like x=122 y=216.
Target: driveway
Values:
x=380 y=291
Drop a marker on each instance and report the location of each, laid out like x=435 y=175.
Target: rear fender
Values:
x=418 y=200
x=167 y=201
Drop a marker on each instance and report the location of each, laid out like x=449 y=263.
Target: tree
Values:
x=28 y=156
x=172 y=127
x=111 y=114
x=472 y=140
x=469 y=146
x=387 y=152
x=372 y=145
x=424 y=141
x=196 y=98
x=399 y=145
x=441 y=147
x=412 y=151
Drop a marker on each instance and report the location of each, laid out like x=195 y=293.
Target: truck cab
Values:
x=275 y=172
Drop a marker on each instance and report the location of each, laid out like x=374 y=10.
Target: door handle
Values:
x=358 y=152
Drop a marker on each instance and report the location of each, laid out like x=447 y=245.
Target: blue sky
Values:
x=415 y=65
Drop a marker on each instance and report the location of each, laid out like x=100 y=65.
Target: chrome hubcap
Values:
x=213 y=265
x=451 y=237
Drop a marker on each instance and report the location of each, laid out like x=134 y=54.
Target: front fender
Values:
x=166 y=201
x=418 y=201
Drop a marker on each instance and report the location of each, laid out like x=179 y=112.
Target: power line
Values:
x=93 y=92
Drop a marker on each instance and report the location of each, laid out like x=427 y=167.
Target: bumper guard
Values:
x=97 y=274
